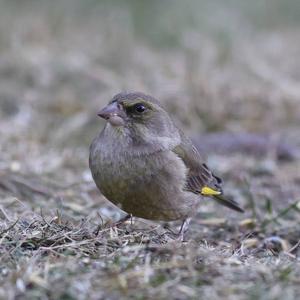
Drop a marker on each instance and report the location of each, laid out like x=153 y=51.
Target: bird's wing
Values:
x=200 y=179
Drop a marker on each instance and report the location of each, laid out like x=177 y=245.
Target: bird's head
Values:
x=141 y=117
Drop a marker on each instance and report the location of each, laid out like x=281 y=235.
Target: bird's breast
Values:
x=148 y=186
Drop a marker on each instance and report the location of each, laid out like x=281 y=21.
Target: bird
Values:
x=145 y=165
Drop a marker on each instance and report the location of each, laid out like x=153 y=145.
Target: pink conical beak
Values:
x=113 y=114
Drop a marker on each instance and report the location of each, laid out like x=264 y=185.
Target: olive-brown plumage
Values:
x=146 y=166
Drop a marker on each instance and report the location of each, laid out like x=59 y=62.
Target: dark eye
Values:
x=140 y=108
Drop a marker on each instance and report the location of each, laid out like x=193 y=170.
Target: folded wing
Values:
x=200 y=179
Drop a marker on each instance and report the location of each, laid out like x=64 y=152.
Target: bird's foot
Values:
x=122 y=220
x=179 y=236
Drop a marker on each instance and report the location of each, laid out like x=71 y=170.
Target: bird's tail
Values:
x=218 y=196
x=228 y=202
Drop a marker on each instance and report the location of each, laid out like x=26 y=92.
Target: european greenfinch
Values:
x=144 y=164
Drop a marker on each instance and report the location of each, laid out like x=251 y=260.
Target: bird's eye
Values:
x=139 y=108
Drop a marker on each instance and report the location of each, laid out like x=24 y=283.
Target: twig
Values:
x=282 y=213
x=251 y=200
x=294 y=247
x=10 y=227
x=5 y=214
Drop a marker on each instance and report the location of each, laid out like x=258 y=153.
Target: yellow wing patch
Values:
x=207 y=191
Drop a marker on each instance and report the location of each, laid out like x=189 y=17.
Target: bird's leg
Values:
x=123 y=220
x=183 y=229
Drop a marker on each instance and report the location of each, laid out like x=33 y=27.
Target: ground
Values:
x=228 y=74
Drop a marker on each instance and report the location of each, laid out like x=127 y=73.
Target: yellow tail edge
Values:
x=207 y=191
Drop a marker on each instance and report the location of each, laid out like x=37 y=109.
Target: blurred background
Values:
x=219 y=67
x=227 y=71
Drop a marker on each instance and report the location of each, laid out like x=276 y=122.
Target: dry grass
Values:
x=218 y=68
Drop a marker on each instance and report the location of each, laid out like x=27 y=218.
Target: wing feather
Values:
x=199 y=175
x=200 y=179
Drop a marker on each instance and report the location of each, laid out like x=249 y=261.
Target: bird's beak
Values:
x=113 y=114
